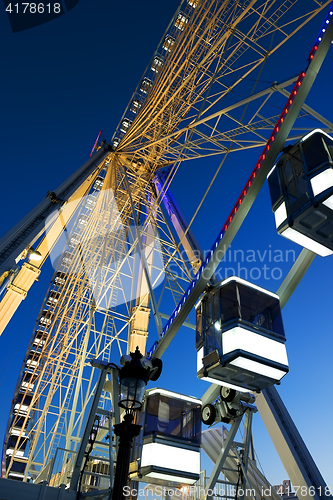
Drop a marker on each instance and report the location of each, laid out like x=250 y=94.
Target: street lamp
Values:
x=133 y=378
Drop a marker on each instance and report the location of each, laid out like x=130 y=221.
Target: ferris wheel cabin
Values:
x=301 y=189
x=167 y=451
x=240 y=338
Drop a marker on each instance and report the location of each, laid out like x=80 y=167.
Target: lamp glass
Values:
x=131 y=393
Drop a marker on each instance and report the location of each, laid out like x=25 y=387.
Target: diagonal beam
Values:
x=223 y=456
x=290 y=446
x=31 y=227
x=311 y=111
x=293 y=278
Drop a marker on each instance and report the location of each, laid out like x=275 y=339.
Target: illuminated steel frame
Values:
x=176 y=116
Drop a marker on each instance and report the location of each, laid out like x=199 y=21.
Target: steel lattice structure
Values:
x=194 y=101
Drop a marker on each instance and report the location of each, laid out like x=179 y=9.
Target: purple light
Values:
x=95 y=142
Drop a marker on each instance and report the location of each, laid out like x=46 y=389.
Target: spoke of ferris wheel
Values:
x=208 y=145
x=50 y=391
x=195 y=123
x=135 y=241
x=144 y=264
x=219 y=142
x=238 y=214
x=158 y=115
x=58 y=372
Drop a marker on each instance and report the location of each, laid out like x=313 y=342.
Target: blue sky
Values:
x=64 y=81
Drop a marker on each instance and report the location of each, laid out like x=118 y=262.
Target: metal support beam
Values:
x=89 y=423
x=246 y=478
x=189 y=325
x=309 y=110
x=296 y=459
x=293 y=278
x=247 y=442
x=223 y=456
x=186 y=236
x=32 y=225
x=79 y=376
x=211 y=394
x=157 y=316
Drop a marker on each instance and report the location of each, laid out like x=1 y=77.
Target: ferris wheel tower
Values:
x=121 y=248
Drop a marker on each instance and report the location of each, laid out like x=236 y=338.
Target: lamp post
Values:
x=133 y=378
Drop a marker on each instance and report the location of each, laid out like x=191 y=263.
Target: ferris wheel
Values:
x=126 y=261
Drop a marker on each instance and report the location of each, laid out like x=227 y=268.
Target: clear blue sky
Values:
x=64 y=81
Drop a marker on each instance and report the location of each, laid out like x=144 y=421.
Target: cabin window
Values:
x=172 y=417
x=168 y=43
x=315 y=152
x=146 y=85
x=157 y=64
x=274 y=187
x=125 y=124
x=136 y=105
x=181 y=21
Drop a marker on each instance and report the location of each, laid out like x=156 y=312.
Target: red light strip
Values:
x=277 y=126
x=266 y=149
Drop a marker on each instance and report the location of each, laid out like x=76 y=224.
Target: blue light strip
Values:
x=322 y=30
